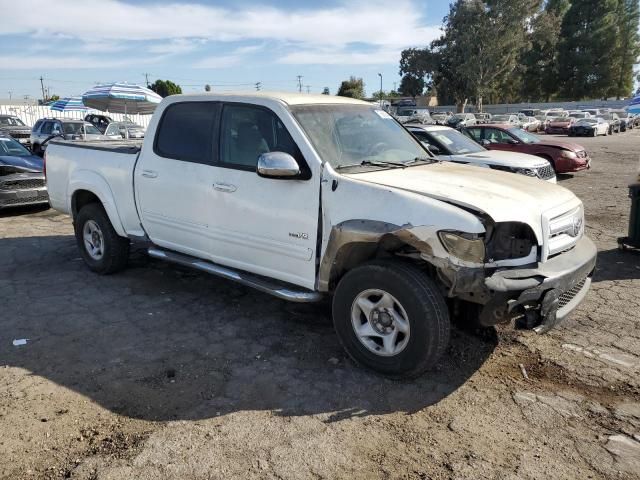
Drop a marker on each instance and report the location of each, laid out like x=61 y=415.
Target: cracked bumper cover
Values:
x=557 y=286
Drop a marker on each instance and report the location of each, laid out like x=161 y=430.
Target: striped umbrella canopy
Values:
x=122 y=98
x=68 y=104
x=634 y=105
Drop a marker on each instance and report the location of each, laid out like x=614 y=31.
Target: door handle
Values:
x=224 y=187
x=149 y=173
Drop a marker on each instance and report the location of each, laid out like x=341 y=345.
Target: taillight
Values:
x=44 y=164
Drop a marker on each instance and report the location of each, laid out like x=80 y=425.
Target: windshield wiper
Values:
x=423 y=159
x=373 y=163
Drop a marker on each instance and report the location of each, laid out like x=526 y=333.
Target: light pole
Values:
x=380 y=75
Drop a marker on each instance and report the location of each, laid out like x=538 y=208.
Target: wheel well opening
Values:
x=82 y=198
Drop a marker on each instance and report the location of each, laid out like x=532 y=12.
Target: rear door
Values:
x=173 y=180
x=263 y=225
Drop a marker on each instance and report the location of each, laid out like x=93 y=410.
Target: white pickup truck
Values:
x=305 y=196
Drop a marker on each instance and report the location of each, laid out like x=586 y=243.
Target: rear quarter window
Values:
x=186 y=132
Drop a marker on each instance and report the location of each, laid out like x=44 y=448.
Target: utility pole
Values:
x=258 y=86
x=10 y=93
x=300 y=83
x=308 y=88
x=380 y=75
x=146 y=79
x=44 y=99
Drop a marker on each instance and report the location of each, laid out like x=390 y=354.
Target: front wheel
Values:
x=102 y=249
x=390 y=317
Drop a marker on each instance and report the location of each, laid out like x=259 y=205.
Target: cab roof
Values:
x=284 y=97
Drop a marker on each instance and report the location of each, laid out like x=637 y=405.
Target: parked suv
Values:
x=14 y=127
x=69 y=129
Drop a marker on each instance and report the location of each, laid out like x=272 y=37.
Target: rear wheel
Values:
x=390 y=317
x=102 y=249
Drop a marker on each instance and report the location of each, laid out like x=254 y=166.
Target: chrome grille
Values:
x=22 y=184
x=20 y=135
x=570 y=294
x=546 y=173
x=42 y=198
x=565 y=230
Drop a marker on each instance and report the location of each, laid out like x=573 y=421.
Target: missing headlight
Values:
x=510 y=240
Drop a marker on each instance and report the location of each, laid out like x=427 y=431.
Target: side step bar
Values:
x=272 y=287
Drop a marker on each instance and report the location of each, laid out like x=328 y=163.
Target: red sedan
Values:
x=565 y=157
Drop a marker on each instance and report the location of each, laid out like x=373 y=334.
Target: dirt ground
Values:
x=162 y=373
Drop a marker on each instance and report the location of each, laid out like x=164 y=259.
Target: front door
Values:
x=173 y=179
x=262 y=225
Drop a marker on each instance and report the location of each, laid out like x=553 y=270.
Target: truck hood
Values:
x=507 y=159
x=503 y=196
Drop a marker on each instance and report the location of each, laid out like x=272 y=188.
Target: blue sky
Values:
x=229 y=44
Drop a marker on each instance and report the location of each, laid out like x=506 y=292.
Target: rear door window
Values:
x=186 y=132
x=47 y=127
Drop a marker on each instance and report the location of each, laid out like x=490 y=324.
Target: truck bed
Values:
x=104 y=168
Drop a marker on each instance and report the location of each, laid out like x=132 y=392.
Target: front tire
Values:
x=390 y=317
x=102 y=249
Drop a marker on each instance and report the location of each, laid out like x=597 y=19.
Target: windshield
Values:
x=405 y=112
x=501 y=118
x=578 y=115
x=455 y=142
x=540 y=117
x=439 y=116
x=91 y=130
x=621 y=113
x=560 y=119
x=8 y=146
x=523 y=136
x=458 y=116
x=11 y=121
x=586 y=121
x=351 y=134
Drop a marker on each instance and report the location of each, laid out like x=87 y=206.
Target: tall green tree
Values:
x=628 y=47
x=411 y=86
x=164 y=88
x=540 y=60
x=353 y=88
x=587 y=53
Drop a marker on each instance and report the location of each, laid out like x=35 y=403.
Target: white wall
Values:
x=30 y=113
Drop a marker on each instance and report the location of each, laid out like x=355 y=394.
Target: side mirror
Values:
x=511 y=141
x=432 y=148
x=277 y=165
x=484 y=142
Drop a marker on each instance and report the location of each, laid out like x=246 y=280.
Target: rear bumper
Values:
x=546 y=293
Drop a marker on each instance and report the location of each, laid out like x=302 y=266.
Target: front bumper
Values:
x=23 y=189
x=545 y=293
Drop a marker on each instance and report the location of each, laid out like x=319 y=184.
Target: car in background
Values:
x=559 y=125
x=578 y=115
x=543 y=122
x=530 y=124
x=505 y=118
x=101 y=122
x=22 y=179
x=530 y=112
x=565 y=157
x=413 y=114
x=127 y=130
x=615 y=125
x=483 y=117
x=589 y=127
x=555 y=112
x=461 y=120
x=13 y=126
x=67 y=128
x=626 y=119
x=449 y=145
x=440 y=118
x=405 y=102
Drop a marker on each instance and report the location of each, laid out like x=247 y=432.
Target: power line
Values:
x=299 y=83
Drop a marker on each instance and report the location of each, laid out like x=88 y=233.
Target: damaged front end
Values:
x=512 y=284
x=21 y=186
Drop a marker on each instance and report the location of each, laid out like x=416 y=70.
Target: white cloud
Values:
x=360 y=21
x=175 y=46
x=219 y=61
x=340 y=57
x=27 y=62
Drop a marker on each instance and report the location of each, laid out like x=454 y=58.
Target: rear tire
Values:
x=102 y=249
x=391 y=317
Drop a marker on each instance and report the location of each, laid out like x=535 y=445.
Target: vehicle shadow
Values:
x=17 y=211
x=163 y=343
x=615 y=264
